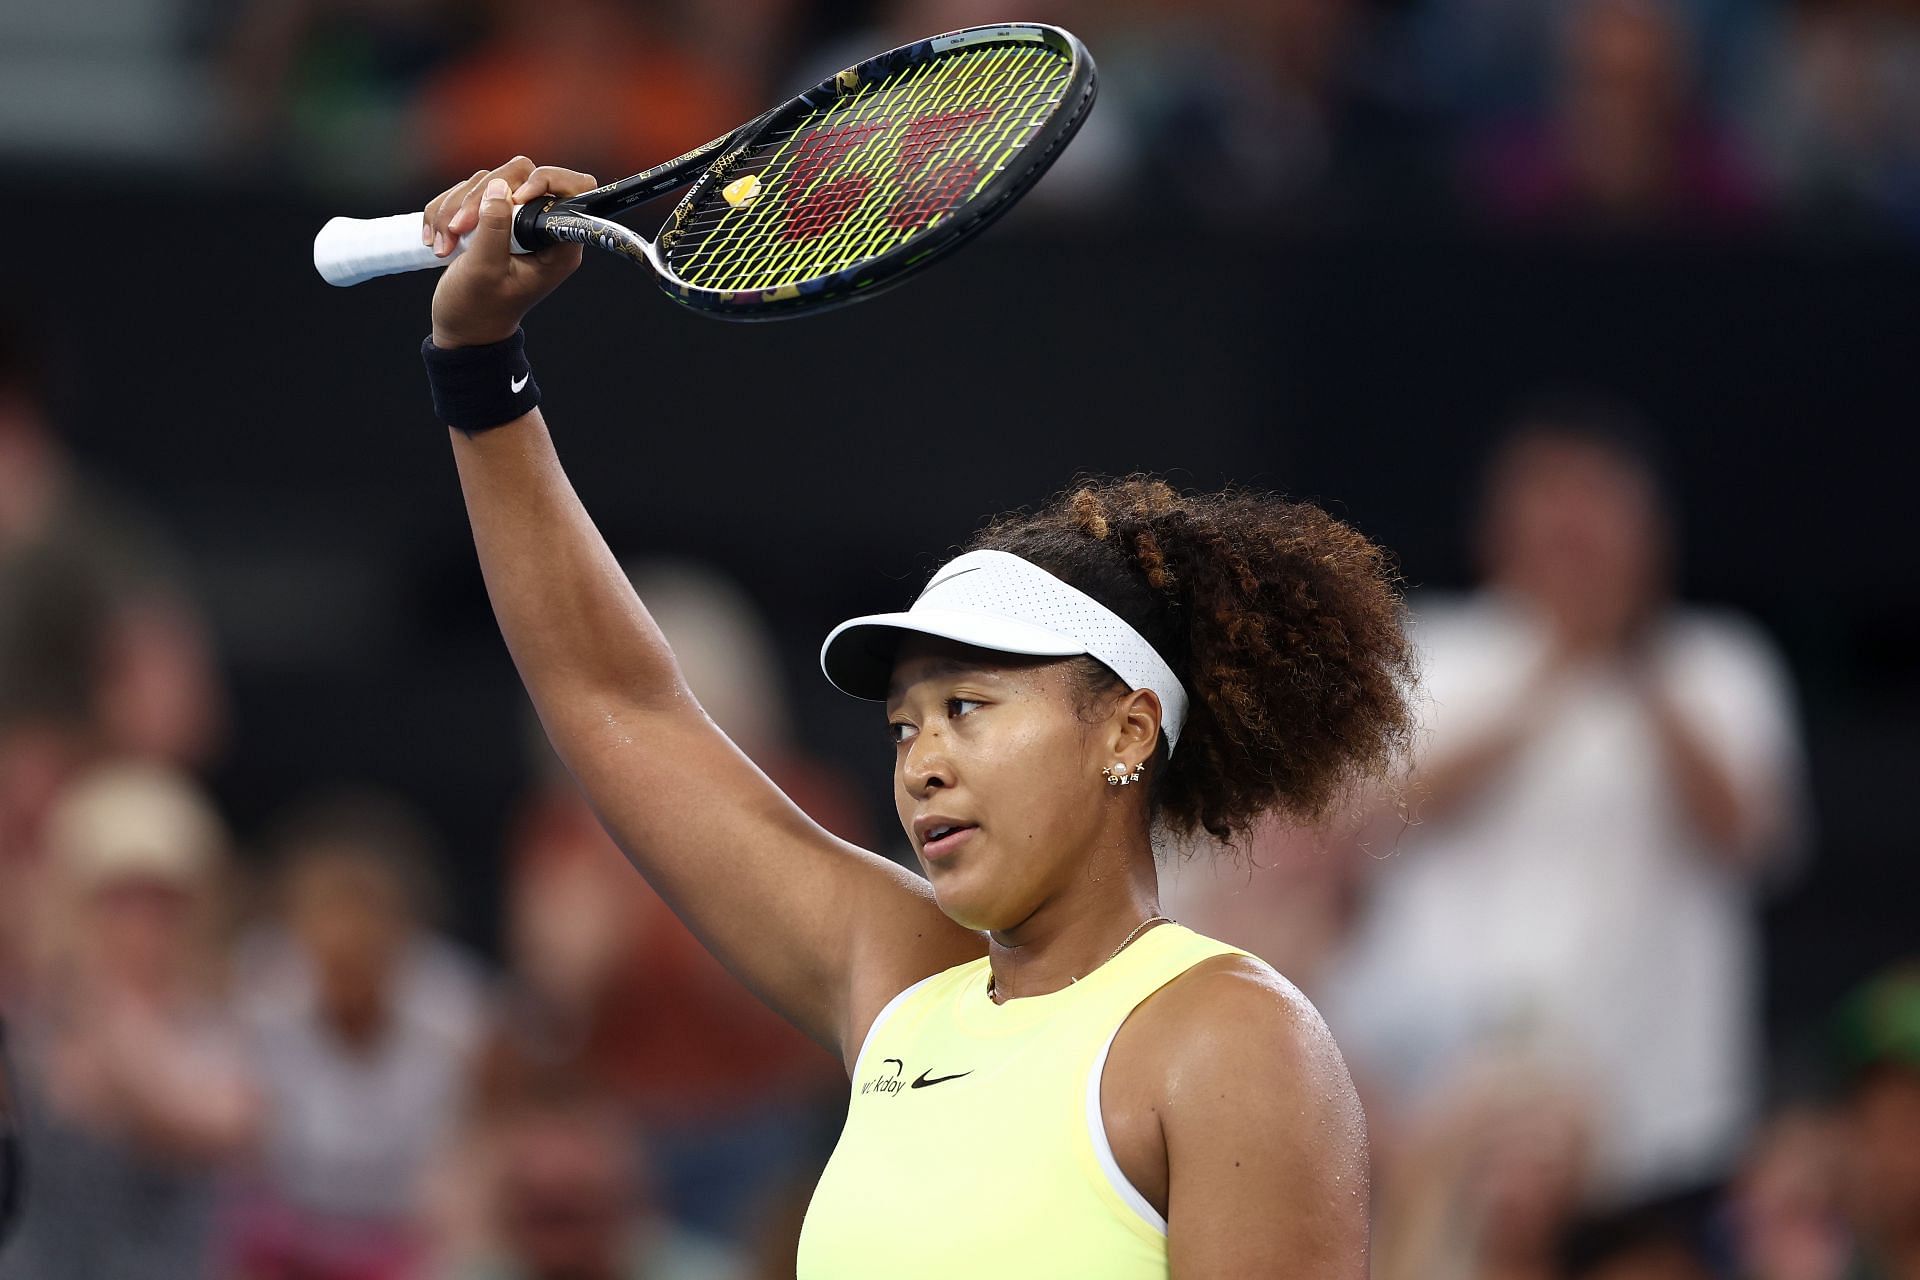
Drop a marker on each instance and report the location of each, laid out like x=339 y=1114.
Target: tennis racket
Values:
x=833 y=196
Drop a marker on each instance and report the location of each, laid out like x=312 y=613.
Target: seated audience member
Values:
x=1655 y=1242
x=102 y=653
x=320 y=89
x=1626 y=140
x=567 y=1202
x=1487 y=1184
x=363 y=1027
x=133 y=1085
x=1290 y=902
x=1880 y=1143
x=1782 y=1218
x=1605 y=781
x=600 y=85
x=97 y=634
x=727 y=1096
x=1841 y=121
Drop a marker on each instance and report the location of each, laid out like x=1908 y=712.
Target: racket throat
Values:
x=568 y=226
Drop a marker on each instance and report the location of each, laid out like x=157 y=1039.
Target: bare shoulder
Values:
x=1266 y=1144
x=1240 y=1008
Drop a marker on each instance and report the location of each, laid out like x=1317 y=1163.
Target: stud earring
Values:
x=1117 y=776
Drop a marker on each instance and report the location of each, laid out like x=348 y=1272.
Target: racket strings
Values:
x=927 y=189
x=769 y=161
x=884 y=221
x=829 y=202
x=735 y=253
x=870 y=171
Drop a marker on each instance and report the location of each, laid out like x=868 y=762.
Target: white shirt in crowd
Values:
x=354 y=1134
x=1570 y=908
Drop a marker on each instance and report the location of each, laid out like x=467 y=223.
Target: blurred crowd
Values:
x=265 y=1058
x=1678 y=115
x=260 y=1056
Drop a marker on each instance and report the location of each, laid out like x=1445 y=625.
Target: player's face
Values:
x=997 y=749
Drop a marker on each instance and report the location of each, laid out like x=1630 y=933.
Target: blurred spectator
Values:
x=363 y=1026
x=1783 y=1210
x=134 y=1084
x=1489 y=58
x=1626 y=141
x=726 y=1093
x=102 y=654
x=1290 y=903
x=328 y=85
x=1658 y=1243
x=1880 y=1048
x=1594 y=112
x=1296 y=106
x=597 y=85
x=1487 y=1184
x=12 y=1162
x=567 y=1202
x=1606 y=779
x=1842 y=120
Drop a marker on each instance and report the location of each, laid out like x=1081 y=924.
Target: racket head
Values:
x=875 y=172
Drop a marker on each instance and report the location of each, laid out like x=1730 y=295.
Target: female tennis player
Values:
x=1049 y=1078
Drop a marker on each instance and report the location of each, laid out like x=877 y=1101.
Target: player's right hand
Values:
x=485 y=292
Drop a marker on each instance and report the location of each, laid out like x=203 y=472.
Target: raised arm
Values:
x=822 y=931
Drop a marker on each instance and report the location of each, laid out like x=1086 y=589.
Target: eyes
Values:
x=901 y=731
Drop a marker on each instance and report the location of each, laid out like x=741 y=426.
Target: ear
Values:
x=1133 y=726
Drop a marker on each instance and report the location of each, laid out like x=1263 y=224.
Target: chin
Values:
x=974 y=905
x=963 y=908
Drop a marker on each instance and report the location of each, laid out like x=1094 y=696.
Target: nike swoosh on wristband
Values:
x=519 y=383
x=922 y=1082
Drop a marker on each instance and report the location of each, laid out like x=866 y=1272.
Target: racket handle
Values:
x=352 y=250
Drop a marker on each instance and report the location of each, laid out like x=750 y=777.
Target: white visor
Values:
x=995 y=600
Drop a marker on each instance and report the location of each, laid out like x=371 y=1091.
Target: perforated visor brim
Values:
x=859 y=654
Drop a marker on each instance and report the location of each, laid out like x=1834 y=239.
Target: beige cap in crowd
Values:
x=134 y=821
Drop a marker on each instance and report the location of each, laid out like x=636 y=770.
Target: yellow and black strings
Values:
x=985 y=83
x=872 y=229
x=994 y=98
x=758 y=239
x=793 y=256
x=719 y=247
x=900 y=208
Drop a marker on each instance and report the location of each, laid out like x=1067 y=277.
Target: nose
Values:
x=926 y=767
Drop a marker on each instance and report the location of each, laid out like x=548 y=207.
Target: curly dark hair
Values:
x=1284 y=624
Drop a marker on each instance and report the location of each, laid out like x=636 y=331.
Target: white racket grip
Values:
x=352 y=250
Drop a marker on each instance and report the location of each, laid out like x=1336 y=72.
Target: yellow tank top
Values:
x=974 y=1145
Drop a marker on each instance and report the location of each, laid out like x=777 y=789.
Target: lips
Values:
x=948 y=843
x=940 y=835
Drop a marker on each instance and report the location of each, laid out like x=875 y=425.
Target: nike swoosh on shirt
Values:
x=922 y=1081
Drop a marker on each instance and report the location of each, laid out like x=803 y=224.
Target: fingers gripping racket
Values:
x=833 y=196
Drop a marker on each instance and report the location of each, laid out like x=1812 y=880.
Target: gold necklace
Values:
x=1137 y=931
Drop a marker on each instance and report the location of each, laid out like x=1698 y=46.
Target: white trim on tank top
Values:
x=1103 y=1150
x=886 y=1010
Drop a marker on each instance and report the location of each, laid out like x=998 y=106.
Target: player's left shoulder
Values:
x=1234 y=1016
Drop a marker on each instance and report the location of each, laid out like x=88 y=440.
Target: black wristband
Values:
x=478 y=388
